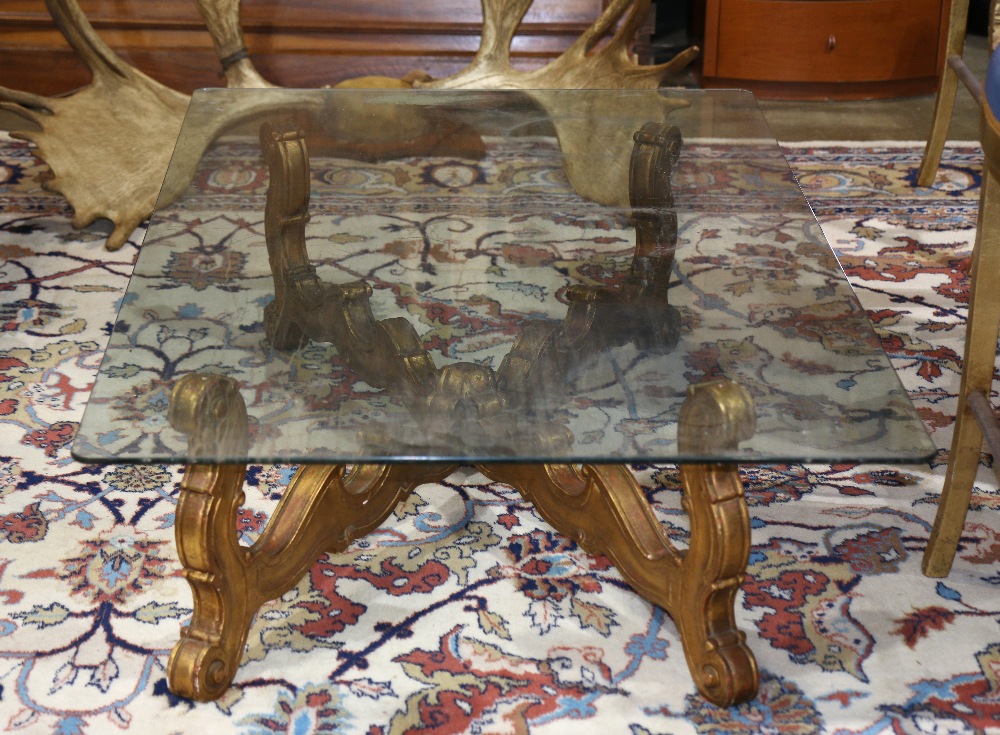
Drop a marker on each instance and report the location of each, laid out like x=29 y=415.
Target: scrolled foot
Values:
x=199 y=670
x=727 y=676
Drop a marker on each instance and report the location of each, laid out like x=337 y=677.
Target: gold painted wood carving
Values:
x=108 y=145
x=466 y=404
x=323 y=509
x=602 y=507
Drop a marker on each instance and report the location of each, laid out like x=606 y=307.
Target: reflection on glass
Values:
x=475 y=276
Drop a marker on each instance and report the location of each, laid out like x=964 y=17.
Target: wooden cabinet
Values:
x=822 y=48
x=295 y=43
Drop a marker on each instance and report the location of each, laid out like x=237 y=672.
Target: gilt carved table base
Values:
x=602 y=507
x=326 y=507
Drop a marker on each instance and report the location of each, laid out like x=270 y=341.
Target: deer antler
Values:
x=222 y=18
x=109 y=144
x=106 y=162
x=583 y=65
x=596 y=155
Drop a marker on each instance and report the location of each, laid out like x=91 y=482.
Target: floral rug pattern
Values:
x=465 y=612
x=474 y=268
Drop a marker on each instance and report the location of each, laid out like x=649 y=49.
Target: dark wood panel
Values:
x=314 y=14
x=293 y=42
x=52 y=71
x=189 y=71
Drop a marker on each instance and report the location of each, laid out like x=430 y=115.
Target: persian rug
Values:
x=465 y=612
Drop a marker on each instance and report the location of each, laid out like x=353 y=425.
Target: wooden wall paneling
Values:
x=303 y=43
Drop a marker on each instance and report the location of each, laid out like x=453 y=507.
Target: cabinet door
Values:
x=822 y=49
x=828 y=40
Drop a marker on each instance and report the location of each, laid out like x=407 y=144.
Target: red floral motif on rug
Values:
x=465 y=612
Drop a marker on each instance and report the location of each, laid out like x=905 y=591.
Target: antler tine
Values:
x=30 y=107
x=491 y=68
x=501 y=19
x=75 y=27
x=222 y=17
x=664 y=70
x=627 y=31
x=608 y=19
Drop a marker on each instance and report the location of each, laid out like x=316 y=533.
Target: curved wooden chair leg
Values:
x=944 y=104
x=982 y=329
x=955 y=496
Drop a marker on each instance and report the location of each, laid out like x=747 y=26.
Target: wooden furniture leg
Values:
x=322 y=510
x=604 y=509
x=974 y=413
x=601 y=506
x=944 y=103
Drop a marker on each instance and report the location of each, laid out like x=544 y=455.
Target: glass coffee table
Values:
x=381 y=286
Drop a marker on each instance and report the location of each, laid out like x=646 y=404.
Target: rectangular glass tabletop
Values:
x=491 y=276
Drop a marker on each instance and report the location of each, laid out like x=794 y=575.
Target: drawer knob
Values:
x=831 y=42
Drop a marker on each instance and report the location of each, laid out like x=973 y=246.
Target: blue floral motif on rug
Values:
x=465 y=612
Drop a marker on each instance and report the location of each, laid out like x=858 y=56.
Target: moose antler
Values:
x=596 y=155
x=106 y=162
x=584 y=65
x=222 y=18
x=109 y=144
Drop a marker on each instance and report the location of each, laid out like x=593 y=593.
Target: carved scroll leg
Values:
x=722 y=665
x=716 y=415
x=604 y=509
x=321 y=510
x=204 y=660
